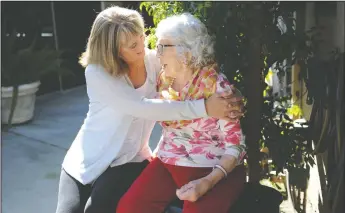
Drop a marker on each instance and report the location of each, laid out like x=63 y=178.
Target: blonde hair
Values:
x=111 y=27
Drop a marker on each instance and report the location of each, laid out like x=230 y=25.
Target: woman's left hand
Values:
x=193 y=190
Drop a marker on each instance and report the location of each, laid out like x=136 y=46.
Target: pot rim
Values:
x=21 y=87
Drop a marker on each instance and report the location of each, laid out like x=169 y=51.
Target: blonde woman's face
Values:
x=134 y=49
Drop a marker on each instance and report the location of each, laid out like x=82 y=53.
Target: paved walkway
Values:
x=32 y=153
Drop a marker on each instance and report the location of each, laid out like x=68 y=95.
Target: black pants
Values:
x=102 y=195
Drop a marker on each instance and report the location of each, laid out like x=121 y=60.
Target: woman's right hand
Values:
x=225 y=105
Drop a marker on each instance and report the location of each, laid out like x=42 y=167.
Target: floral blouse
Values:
x=200 y=142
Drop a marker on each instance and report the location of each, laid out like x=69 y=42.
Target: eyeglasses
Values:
x=160 y=48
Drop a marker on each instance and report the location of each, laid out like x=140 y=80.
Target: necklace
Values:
x=172 y=82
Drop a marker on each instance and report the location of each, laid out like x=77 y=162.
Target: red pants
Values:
x=156 y=187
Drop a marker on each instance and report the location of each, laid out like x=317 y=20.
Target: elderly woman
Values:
x=111 y=148
x=198 y=160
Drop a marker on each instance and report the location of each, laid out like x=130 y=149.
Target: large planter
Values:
x=24 y=110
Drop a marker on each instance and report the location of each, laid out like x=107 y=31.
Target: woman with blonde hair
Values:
x=199 y=160
x=111 y=148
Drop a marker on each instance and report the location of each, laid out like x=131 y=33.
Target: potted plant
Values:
x=20 y=79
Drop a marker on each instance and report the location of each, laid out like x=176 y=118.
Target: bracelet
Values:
x=222 y=169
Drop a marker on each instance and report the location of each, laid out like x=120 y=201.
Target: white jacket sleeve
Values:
x=102 y=87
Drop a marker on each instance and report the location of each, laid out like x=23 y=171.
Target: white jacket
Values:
x=113 y=105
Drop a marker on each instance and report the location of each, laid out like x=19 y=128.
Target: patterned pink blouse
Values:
x=199 y=142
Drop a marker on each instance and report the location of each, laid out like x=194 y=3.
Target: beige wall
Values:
x=297 y=85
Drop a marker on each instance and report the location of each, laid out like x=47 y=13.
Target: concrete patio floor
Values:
x=32 y=153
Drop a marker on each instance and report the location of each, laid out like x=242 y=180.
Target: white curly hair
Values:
x=190 y=35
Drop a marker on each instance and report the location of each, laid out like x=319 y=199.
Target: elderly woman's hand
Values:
x=193 y=190
x=227 y=105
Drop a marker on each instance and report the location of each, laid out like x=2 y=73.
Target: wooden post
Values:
x=56 y=41
x=338 y=202
x=253 y=81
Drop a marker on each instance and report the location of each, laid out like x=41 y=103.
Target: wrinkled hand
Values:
x=227 y=105
x=193 y=190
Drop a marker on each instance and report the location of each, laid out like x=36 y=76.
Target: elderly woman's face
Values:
x=167 y=54
x=133 y=49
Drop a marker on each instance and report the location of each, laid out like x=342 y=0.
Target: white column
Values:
x=105 y=4
x=340 y=26
x=102 y=5
x=309 y=15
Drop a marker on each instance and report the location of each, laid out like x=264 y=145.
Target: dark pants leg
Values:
x=102 y=195
x=111 y=186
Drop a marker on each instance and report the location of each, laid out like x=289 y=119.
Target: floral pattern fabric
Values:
x=200 y=142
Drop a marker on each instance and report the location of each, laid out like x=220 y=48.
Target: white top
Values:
x=140 y=133
x=113 y=104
